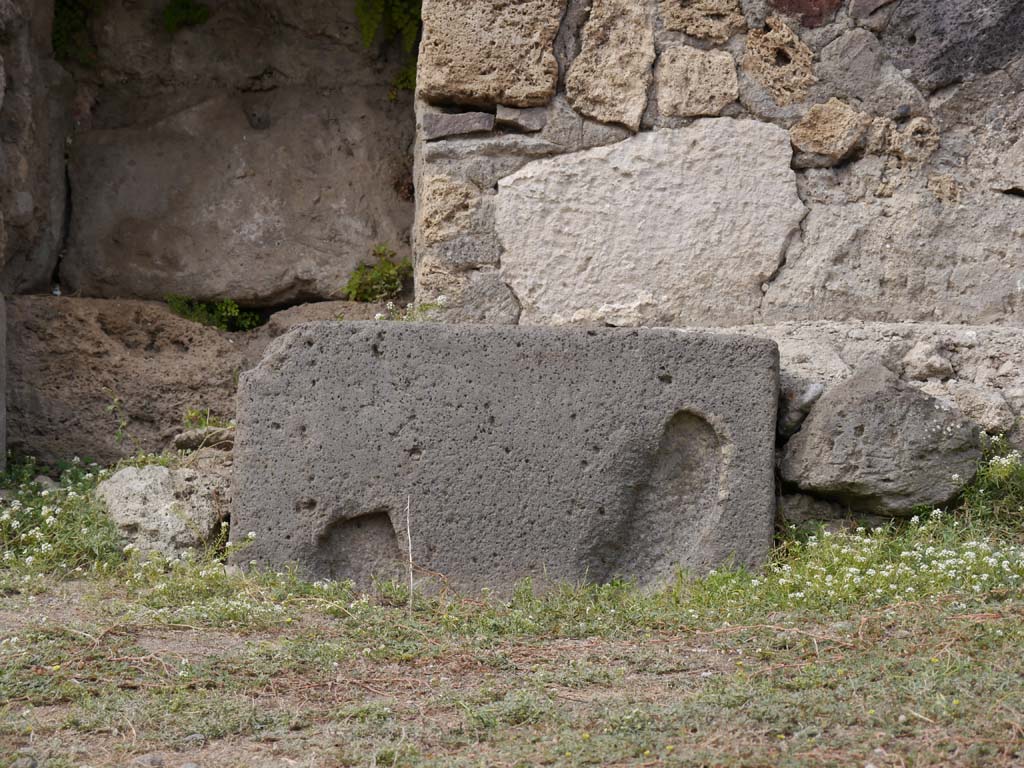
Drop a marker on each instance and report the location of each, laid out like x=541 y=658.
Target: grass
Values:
x=898 y=646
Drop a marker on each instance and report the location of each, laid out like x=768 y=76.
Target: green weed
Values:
x=224 y=314
x=384 y=280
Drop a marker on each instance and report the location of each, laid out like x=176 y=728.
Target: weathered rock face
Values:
x=609 y=79
x=675 y=226
x=34 y=123
x=480 y=53
x=69 y=359
x=590 y=454
x=169 y=510
x=881 y=446
x=270 y=165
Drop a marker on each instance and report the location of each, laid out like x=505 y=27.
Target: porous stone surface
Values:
x=609 y=79
x=558 y=454
x=714 y=20
x=481 y=53
x=945 y=42
x=668 y=227
x=692 y=82
x=255 y=156
x=168 y=510
x=829 y=133
x=881 y=446
x=780 y=61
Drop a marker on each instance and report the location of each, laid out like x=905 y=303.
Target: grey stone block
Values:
x=553 y=453
x=438 y=125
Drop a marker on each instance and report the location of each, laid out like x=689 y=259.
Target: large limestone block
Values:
x=558 y=454
x=668 y=227
x=881 y=446
x=205 y=205
x=692 y=82
x=483 y=53
x=609 y=79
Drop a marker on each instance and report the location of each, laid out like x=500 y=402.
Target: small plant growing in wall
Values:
x=178 y=14
x=224 y=314
x=382 y=281
x=393 y=21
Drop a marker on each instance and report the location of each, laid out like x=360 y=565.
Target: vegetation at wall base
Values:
x=224 y=314
x=894 y=646
x=178 y=14
x=384 y=280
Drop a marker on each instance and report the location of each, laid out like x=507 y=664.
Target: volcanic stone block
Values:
x=560 y=454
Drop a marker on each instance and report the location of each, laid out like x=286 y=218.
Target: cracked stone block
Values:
x=780 y=61
x=692 y=82
x=666 y=227
x=438 y=125
x=482 y=53
x=609 y=79
x=562 y=455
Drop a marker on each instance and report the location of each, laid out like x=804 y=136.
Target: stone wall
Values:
x=716 y=162
x=845 y=177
